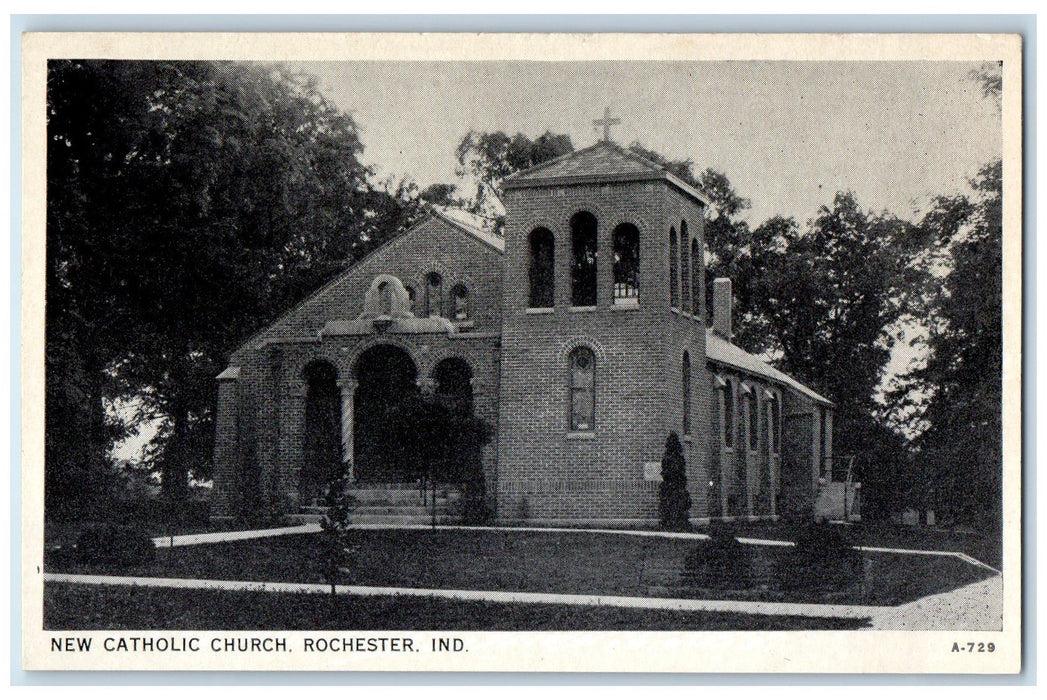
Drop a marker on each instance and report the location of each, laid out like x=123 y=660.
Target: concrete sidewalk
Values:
x=635 y=602
x=977 y=607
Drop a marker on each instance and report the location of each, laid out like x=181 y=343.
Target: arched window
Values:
x=460 y=302
x=674 y=269
x=728 y=414
x=434 y=294
x=626 y=265
x=583 y=259
x=685 y=269
x=542 y=276
x=686 y=388
x=752 y=406
x=583 y=389
x=774 y=408
x=696 y=278
x=385 y=299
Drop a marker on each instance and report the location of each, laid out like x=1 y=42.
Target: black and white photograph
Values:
x=346 y=352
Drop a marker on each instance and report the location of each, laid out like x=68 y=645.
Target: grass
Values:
x=986 y=548
x=552 y=562
x=81 y=607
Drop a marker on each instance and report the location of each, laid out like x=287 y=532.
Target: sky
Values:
x=788 y=135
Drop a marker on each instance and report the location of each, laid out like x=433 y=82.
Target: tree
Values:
x=188 y=203
x=437 y=439
x=957 y=395
x=337 y=550
x=490 y=157
x=674 y=502
x=828 y=298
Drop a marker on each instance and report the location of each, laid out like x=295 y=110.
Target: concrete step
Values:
x=365 y=519
x=401 y=509
x=379 y=519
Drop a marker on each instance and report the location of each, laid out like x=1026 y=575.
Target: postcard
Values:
x=521 y=352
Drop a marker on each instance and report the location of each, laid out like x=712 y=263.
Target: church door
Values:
x=386 y=383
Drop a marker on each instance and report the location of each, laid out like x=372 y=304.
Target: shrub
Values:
x=824 y=556
x=719 y=562
x=335 y=544
x=674 y=503
x=117 y=545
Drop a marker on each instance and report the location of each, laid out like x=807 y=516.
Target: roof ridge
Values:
x=259 y=334
x=767 y=370
x=551 y=162
x=476 y=232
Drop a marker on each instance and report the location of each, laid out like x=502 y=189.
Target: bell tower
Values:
x=594 y=337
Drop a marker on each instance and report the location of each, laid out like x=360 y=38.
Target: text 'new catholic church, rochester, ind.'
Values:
x=579 y=337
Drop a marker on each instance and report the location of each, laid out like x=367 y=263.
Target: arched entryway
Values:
x=322 y=459
x=386 y=376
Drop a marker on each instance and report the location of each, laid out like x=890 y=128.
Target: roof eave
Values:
x=807 y=391
x=597 y=179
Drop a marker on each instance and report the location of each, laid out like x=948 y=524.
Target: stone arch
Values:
x=370 y=343
x=386 y=296
x=567 y=346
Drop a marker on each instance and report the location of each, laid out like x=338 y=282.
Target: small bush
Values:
x=824 y=556
x=674 y=503
x=118 y=545
x=719 y=562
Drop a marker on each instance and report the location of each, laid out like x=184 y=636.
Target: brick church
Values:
x=579 y=337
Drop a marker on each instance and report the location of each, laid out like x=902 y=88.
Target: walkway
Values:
x=978 y=606
x=752 y=608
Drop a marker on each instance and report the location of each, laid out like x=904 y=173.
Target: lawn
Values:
x=81 y=607
x=553 y=562
x=986 y=548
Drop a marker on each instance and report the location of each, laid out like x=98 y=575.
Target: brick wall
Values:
x=262 y=413
x=547 y=473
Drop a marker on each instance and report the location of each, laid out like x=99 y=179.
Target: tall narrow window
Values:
x=410 y=297
x=583 y=389
x=686 y=389
x=674 y=269
x=728 y=414
x=626 y=265
x=685 y=269
x=460 y=302
x=696 y=278
x=542 y=277
x=434 y=294
x=775 y=411
x=753 y=407
x=583 y=260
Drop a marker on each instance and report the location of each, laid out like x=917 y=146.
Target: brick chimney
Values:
x=722 y=307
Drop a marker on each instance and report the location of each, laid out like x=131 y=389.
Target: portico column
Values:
x=348 y=390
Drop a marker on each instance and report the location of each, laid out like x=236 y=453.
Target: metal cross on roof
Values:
x=607 y=122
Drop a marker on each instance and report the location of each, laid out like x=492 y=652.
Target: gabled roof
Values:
x=490 y=240
x=727 y=353
x=604 y=161
x=468 y=223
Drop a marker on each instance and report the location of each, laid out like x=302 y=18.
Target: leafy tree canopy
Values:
x=188 y=202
